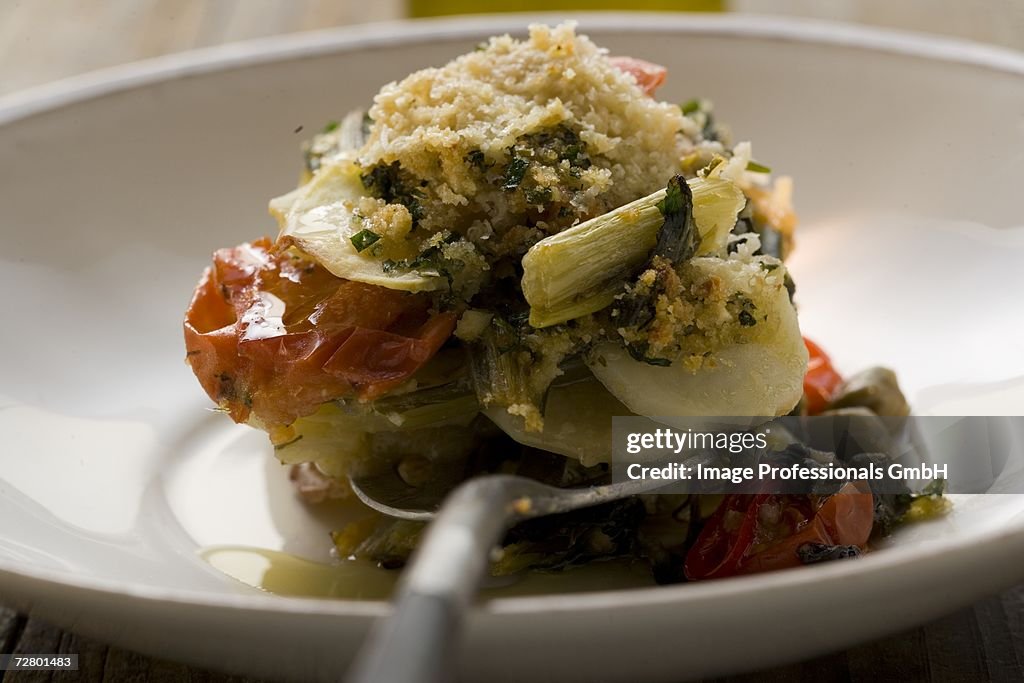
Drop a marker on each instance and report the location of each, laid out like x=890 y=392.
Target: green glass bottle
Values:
x=433 y=8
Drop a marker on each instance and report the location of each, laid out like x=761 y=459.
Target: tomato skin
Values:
x=821 y=380
x=211 y=341
x=717 y=552
x=271 y=334
x=755 y=546
x=375 y=361
x=845 y=518
x=649 y=76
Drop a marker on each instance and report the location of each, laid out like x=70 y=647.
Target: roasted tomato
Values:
x=648 y=76
x=821 y=380
x=755 y=533
x=273 y=334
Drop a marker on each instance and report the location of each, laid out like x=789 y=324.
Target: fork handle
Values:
x=416 y=643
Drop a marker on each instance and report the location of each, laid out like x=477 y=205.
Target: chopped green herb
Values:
x=431 y=258
x=768 y=267
x=638 y=351
x=395 y=186
x=557 y=144
x=758 y=168
x=364 y=239
x=691 y=106
x=478 y=160
x=575 y=155
x=745 y=317
x=514 y=173
x=538 y=195
x=660 y=362
x=330 y=127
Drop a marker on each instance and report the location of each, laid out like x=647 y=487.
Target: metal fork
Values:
x=417 y=643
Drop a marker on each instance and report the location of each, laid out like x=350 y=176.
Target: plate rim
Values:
x=1007 y=541
x=96 y=84
x=109 y=80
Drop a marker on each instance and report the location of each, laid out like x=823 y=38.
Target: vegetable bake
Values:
x=492 y=260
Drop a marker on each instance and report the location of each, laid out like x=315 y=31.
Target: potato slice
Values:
x=762 y=376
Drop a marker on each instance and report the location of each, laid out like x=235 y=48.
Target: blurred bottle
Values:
x=431 y=8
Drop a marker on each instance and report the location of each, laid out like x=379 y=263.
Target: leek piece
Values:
x=352 y=131
x=498 y=373
x=580 y=270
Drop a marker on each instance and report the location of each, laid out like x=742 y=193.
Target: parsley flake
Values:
x=364 y=239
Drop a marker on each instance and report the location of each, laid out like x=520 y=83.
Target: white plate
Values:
x=115 y=188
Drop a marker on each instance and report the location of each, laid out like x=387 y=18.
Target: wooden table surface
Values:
x=984 y=642
x=41 y=41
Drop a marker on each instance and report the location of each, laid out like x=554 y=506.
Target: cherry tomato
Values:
x=648 y=76
x=725 y=538
x=821 y=380
x=761 y=532
x=272 y=334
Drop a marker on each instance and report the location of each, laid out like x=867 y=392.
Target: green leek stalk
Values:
x=580 y=270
